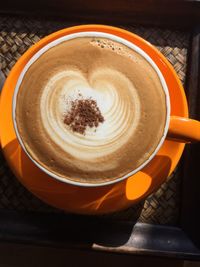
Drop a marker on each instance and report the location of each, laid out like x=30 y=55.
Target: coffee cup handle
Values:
x=183 y=130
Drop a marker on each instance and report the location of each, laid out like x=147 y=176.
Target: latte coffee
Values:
x=90 y=110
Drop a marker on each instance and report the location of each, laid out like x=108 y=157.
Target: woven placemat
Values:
x=16 y=36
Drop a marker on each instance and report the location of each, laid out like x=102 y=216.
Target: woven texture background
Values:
x=16 y=36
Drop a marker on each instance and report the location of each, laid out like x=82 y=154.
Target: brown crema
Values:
x=129 y=96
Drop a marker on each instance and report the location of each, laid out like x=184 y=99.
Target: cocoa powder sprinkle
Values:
x=82 y=114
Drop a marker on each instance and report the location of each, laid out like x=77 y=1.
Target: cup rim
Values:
x=113 y=37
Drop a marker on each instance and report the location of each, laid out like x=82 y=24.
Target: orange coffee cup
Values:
x=176 y=128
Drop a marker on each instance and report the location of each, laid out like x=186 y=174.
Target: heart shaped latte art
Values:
x=116 y=98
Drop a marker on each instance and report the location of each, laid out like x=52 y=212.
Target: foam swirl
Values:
x=116 y=98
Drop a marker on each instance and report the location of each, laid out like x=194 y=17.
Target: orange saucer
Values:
x=101 y=199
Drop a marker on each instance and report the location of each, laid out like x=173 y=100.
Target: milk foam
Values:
x=127 y=90
x=121 y=114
